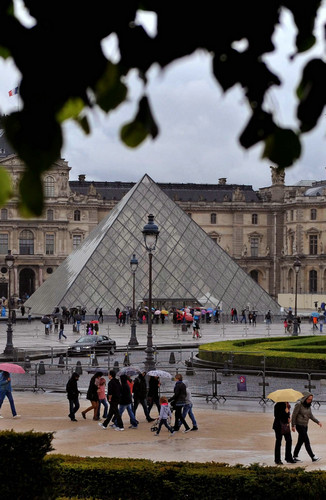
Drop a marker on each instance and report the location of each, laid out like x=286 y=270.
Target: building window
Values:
x=4 y=244
x=254 y=275
x=313 y=242
x=291 y=244
x=313 y=214
x=291 y=215
x=190 y=215
x=213 y=218
x=4 y=214
x=76 y=241
x=49 y=270
x=313 y=281
x=254 y=242
x=77 y=215
x=49 y=244
x=26 y=242
x=49 y=215
x=49 y=186
x=214 y=239
x=254 y=219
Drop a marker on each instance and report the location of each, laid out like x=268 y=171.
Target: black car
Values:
x=92 y=344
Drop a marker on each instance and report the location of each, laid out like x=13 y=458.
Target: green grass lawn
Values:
x=300 y=353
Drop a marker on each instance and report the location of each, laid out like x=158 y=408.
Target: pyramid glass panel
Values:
x=188 y=267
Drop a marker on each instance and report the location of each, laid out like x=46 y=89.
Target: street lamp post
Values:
x=150 y=233
x=9 y=349
x=133 y=339
x=296 y=266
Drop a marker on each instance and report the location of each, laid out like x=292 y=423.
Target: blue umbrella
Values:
x=315 y=314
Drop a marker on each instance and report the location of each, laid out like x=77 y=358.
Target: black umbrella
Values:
x=46 y=320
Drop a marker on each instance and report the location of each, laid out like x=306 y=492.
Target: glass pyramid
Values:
x=189 y=268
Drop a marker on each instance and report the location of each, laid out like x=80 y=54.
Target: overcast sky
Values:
x=199 y=125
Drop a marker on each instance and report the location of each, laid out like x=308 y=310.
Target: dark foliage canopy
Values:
x=64 y=70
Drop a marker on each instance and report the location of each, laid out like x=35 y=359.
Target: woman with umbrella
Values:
x=281 y=424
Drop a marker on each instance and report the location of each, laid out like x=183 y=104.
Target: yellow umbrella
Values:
x=164 y=311
x=284 y=395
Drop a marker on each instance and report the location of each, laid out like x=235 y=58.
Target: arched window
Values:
x=49 y=186
x=254 y=219
x=312 y=281
x=77 y=215
x=213 y=218
x=26 y=242
x=254 y=275
x=4 y=214
x=313 y=214
x=49 y=214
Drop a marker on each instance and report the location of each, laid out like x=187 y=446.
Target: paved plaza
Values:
x=238 y=431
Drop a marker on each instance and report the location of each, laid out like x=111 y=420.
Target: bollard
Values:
x=190 y=370
x=126 y=361
x=41 y=368
x=61 y=363
x=116 y=366
x=27 y=363
x=79 y=368
x=172 y=358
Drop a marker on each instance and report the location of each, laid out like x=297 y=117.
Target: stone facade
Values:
x=262 y=230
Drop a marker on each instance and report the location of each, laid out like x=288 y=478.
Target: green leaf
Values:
x=135 y=132
x=5 y=186
x=110 y=91
x=282 y=147
x=31 y=191
x=4 y=52
x=83 y=123
x=71 y=109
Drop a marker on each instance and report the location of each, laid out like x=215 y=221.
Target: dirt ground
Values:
x=233 y=437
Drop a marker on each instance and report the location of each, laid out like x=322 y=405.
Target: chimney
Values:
x=82 y=177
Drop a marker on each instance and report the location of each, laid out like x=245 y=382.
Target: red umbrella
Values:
x=189 y=317
x=11 y=368
x=94 y=321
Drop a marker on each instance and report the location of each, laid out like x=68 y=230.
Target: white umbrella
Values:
x=159 y=373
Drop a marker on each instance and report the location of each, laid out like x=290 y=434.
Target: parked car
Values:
x=92 y=344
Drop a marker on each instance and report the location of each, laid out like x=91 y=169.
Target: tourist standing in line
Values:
x=300 y=417
x=73 y=396
x=5 y=390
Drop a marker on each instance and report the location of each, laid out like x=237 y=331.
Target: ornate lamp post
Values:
x=150 y=233
x=9 y=349
x=133 y=339
x=296 y=266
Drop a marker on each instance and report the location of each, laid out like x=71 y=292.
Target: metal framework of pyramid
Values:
x=189 y=268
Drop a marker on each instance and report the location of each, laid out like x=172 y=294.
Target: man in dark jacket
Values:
x=72 y=395
x=126 y=402
x=140 y=393
x=179 y=400
x=114 y=393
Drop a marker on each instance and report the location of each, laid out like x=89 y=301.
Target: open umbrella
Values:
x=157 y=312
x=165 y=312
x=315 y=314
x=45 y=320
x=129 y=371
x=284 y=395
x=159 y=373
x=11 y=368
x=94 y=321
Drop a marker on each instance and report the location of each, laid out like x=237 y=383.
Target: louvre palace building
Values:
x=264 y=231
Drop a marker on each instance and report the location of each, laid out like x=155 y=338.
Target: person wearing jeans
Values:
x=187 y=409
x=179 y=400
x=5 y=390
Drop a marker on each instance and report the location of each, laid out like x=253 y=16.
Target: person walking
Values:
x=73 y=396
x=300 y=417
x=179 y=400
x=281 y=426
x=100 y=315
x=126 y=402
x=140 y=393
x=61 y=329
x=92 y=395
x=102 y=398
x=153 y=396
x=187 y=409
x=165 y=416
x=114 y=393
x=5 y=390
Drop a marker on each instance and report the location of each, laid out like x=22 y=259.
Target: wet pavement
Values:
x=234 y=431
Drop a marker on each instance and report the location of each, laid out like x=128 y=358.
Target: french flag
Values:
x=13 y=91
